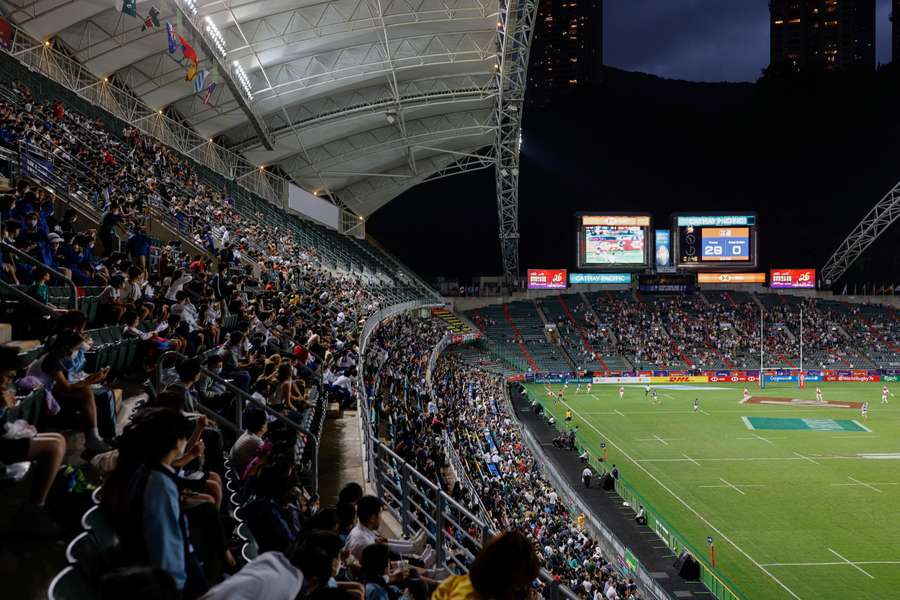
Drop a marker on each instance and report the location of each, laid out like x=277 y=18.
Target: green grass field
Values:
x=795 y=513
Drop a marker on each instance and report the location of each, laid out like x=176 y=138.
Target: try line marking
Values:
x=690 y=508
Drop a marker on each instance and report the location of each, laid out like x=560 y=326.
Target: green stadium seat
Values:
x=71 y=584
x=98 y=523
x=86 y=555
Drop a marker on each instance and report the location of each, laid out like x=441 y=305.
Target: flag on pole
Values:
x=209 y=91
x=198 y=81
x=151 y=20
x=188 y=51
x=129 y=7
x=170 y=37
x=191 y=73
x=6 y=33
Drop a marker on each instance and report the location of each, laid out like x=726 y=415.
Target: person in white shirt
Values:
x=187 y=311
x=586 y=476
x=365 y=533
x=248 y=444
x=179 y=279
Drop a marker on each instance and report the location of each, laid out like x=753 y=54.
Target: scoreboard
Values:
x=715 y=241
x=726 y=244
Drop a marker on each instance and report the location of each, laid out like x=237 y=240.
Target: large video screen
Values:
x=715 y=241
x=613 y=241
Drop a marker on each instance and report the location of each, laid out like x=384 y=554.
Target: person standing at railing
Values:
x=111 y=219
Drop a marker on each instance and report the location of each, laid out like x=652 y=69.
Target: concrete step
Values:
x=23 y=345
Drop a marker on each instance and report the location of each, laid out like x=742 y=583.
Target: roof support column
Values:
x=515 y=28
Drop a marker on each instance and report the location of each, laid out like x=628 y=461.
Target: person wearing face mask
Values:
x=52 y=369
x=142 y=496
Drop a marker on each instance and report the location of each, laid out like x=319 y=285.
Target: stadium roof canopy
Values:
x=356 y=99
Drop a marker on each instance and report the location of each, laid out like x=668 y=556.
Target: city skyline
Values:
x=702 y=40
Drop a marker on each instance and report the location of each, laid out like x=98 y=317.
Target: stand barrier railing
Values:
x=720 y=586
x=242 y=400
x=418 y=503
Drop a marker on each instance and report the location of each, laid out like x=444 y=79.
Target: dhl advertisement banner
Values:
x=680 y=379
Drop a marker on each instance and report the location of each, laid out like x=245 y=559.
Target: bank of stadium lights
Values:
x=191 y=6
x=243 y=79
x=216 y=37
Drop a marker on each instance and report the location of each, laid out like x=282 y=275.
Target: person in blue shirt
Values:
x=139 y=247
x=143 y=496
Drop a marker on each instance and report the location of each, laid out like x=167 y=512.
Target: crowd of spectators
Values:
x=497 y=477
x=291 y=345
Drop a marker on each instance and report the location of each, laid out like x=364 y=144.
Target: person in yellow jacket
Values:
x=505 y=569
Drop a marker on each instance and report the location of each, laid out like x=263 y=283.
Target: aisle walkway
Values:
x=652 y=553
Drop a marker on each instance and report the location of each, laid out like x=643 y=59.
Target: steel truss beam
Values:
x=514 y=34
x=192 y=22
x=863 y=235
x=373 y=141
x=446 y=164
x=329 y=111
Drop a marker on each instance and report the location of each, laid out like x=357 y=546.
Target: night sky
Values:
x=701 y=40
x=811 y=157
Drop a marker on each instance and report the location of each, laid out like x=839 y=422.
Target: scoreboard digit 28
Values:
x=716 y=241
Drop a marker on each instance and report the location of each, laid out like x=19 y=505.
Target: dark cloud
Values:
x=700 y=40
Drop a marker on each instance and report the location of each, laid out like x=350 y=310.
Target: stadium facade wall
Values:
x=460 y=304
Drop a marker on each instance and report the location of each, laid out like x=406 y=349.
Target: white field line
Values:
x=868 y=485
x=748 y=424
x=690 y=508
x=861 y=425
x=704 y=412
x=690 y=459
x=854 y=565
x=753 y=459
x=665 y=411
x=662 y=441
x=876 y=483
x=743 y=485
x=806 y=458
x=833 y=564
x=621 y=414
x=734 y=487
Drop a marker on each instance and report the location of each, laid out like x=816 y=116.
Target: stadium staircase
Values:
x=454 y=323
x=507 y=314
x=492 y=320
x=579 y=327
x=546 y=355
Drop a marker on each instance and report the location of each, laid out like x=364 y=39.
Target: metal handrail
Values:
x=30 y=259
x=70 y=166
x=25 y=297
x=237 y=425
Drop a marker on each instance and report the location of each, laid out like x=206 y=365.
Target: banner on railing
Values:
x=32 y=166
x=721 y=376
x=465 y=338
